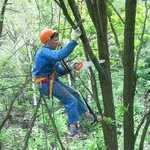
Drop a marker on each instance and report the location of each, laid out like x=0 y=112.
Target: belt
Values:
x=44 y=80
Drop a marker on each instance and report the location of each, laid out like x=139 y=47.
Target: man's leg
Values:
x=69 y=102
x=71 y=107
x=82 y=108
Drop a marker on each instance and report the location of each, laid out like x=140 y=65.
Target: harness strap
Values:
x=51 y=82
x=38 y=80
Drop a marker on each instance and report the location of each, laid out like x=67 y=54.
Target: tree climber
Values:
x=47 y=71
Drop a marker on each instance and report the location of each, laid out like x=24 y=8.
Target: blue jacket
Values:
x=46 y=60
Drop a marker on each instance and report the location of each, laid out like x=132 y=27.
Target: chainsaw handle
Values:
x=78 y=66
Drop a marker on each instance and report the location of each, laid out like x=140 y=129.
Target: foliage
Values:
x=23 y=20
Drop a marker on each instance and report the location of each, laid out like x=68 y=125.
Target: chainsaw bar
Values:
x=86 y=64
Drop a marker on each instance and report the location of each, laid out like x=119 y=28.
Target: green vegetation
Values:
x=19 y=41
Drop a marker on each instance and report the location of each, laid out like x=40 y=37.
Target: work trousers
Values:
x=71 y=100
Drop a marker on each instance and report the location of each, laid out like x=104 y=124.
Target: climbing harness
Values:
x=51 y=79
x=48 y=78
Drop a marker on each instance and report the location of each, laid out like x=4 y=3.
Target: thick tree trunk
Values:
x=110 y=132
x=129 y=75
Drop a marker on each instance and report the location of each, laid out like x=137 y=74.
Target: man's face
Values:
x=52 y=43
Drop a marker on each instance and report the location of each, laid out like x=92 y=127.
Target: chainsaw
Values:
x=86 y=64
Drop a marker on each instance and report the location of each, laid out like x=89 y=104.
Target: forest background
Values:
x=114 y=30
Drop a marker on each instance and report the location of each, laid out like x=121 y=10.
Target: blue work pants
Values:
x=71 y=100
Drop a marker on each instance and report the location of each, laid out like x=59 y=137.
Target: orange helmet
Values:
x=46 y=34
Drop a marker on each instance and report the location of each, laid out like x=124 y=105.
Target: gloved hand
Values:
x=77 y=34
x=75 y=65
x=78 y=65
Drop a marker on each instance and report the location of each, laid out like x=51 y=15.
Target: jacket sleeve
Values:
x=54 y=55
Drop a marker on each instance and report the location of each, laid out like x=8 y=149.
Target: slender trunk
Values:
x=141 y=147
x=32 y=77
x=2 y=16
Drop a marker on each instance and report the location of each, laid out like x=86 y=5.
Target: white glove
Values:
x=77 y=34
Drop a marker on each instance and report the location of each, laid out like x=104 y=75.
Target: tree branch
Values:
x=116 y=11
x=113 y=30
x=53 y=122
x=140 y=125
x=13 y=54
x=31 y=124
x=13 y=100
x=65 y=12
x=141 y=39
x=9 y=87
x=144 y=132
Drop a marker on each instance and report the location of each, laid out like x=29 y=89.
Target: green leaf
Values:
x=122 y=109
x=108 y=120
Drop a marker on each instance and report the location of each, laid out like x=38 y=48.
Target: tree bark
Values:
x=98 y=13
x=129 y=75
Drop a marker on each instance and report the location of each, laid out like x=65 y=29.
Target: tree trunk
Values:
x=2 y=16
x=129 y=75
x=100 y=21
x=32 y=77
